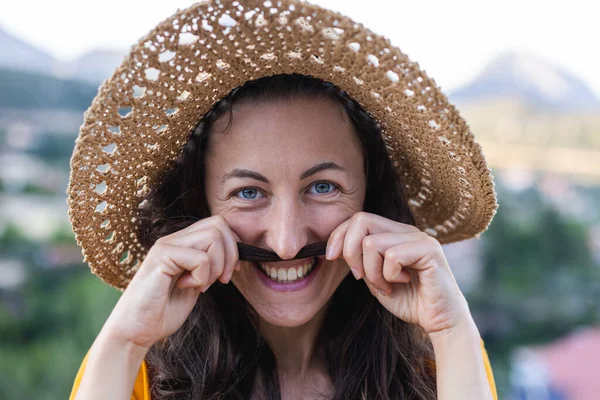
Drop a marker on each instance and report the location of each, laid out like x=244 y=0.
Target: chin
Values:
x=287 y=316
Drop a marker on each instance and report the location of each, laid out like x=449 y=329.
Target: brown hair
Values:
x=217 y=353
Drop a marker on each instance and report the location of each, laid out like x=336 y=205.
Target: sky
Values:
x=451 y=39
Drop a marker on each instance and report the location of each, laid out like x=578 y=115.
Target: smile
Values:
x=288 y=274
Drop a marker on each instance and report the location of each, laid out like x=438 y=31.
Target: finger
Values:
x=174 y=261
x=216 y=252
x=415 y=255
x=230 y=240
x=357 y=231
x=373 y=252
x=373 y=264
x=361 y=225
x=335 y=243
x=203 y=237
x=375 y=245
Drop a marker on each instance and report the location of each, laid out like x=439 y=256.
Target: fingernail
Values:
x=330 y=252
x=205 y=288
x=381 y=292
x=355 y=273
x=229 y=276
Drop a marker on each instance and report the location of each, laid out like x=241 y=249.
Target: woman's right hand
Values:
x=176 y=270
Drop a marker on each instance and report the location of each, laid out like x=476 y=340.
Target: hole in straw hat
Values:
x=202 y=77
x=355 y=47
x=206 y=26
x=160 y=129
x=409 y=93
x=222 y=65
x=183 y=96
x=110 y=148
x=392 y=76
x=226 y=20
x=124 y=111
x=316 y=59
x=114 y=129
x=166 y=56
x=111 y=237
x=260 y=21
x=138 y=91
x=445 y=141
x=171 y=111
x=304 y=24
x=100 y=188
x=187 y=38
x=151 y=74
x=434 y=124
x=332 y=33
x=105 y=224
x=103 y=168
x=101 y=207
x=125 y=257
x=373 y=60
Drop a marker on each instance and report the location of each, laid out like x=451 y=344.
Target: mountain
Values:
x=17 y=54
x=95 y=66
x=28 y=90
x=531 y=80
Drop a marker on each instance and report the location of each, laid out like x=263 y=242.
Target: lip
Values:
x=297 y=285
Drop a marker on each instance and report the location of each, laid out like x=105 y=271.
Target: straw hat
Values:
x=143 y=115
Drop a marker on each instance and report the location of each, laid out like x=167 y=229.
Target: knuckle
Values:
x=160 y=242
x=213 y=234
x=432 y=242
x=369 y=243
x=348 y=253
x=218 y=221
x=360 y=217
x=203 y=258
x=389 y=274
x=391 y=254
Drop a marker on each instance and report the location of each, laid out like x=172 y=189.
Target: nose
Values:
x=286 y=229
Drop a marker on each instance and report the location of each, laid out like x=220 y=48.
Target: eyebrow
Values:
x=246 y=173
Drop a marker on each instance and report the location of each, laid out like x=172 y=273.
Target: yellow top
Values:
x=141 y=389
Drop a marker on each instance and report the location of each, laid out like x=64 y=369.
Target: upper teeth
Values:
x=288 y=274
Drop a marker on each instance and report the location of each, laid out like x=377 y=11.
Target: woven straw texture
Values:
x=143 y=115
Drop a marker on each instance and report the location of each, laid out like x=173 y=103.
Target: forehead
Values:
x=287 y=133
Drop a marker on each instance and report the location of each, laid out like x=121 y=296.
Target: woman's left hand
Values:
x=404 y=268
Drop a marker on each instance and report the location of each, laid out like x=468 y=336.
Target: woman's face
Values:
x=284 y=175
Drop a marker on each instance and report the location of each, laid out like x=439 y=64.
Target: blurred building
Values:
x=566 y=369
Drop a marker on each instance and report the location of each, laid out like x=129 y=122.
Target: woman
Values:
x=284 y=159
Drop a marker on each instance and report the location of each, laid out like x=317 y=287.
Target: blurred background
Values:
x=523 y=73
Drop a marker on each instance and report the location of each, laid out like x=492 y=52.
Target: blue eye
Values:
x=248 y=194
x=324 y=187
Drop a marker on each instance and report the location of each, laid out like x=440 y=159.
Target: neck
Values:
x=294 y=347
